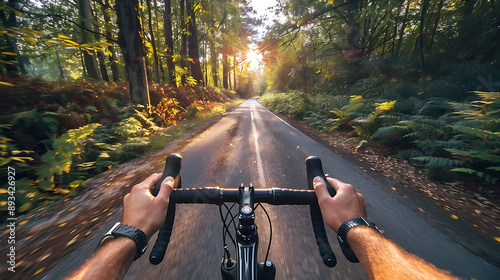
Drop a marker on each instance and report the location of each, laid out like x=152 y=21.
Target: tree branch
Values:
x=63 y=18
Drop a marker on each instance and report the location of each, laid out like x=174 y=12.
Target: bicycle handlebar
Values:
x=217 y=195
x=173 y=169
x=314 y=168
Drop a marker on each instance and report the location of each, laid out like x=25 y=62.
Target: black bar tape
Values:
x=173 y=169
x=293 y=197
x=348 y=252
x=324 y=248
x=314 y=168
x=161 y=244
x=209 y=195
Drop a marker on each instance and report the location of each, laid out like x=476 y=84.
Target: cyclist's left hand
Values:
x=144 y=211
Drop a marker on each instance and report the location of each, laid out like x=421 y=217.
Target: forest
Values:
x=420 y=77
x=89 y=84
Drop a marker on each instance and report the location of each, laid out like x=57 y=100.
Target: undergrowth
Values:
x=452 y=140
x=69 y=133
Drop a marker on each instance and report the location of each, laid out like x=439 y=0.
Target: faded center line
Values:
x=260 y=169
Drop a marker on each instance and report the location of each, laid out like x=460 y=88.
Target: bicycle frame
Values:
x=247 y=239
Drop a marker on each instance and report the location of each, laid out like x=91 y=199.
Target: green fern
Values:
x=36 y=123
x=366 y=127
x=439 y=162
x=435 y=107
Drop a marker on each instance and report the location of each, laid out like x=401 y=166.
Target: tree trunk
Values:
x=130 y=41
x=229 y=73
x=467 y=33
x=213 y=57
x=158 y=35
x=436 y=22
x=225 y=71
x=100 y=54
x=234 y=73
x=353 y=29
x=88 y=56
x=170 y=43
x=61 y=72
x=15 y=63
x=423 y=12
x=153 y=43
x=401 y=31
x=83 y=65
x=194 y=53
x=184 y=46
x=111 y=49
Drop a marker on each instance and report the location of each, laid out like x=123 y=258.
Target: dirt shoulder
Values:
x=477 y=207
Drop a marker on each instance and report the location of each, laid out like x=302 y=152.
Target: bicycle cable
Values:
x=270 y=231
x=225 y=224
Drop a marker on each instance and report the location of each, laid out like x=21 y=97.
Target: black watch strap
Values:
x=137 y=235
x=342 y=235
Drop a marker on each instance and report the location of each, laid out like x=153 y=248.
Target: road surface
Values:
x=251 y=145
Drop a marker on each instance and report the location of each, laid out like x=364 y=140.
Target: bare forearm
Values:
x=110 y=261
x=382 y=259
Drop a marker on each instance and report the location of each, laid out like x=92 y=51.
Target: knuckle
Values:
x=349 y=188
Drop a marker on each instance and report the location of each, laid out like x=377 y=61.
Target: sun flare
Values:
x=254 y=58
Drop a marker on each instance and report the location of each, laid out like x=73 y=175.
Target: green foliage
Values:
x=37 y=123
x=293 y=103
x=128 y=128
x=348 y=113
x=434 y=107
x=465 y=142
x=365 y=127
x=58 y=161
x=438 y=162
x=9 y=152
x=368 y=88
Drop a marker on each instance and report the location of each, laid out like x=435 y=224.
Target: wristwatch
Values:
x=131 y=232
x=345 y=227
x=342 y=235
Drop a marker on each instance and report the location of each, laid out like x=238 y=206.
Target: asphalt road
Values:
x=251 y=145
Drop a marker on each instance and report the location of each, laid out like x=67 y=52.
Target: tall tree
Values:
x=88 y=55
x=100 y=53
x=194 y=53
x=153 y=42
x=184 y=46
x=12 y=53
x=130 y=41
x=420 y=39
x=105 y=6
x=225 y=70
x=169 y=40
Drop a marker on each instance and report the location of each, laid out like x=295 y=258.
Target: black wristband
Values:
x=345 y=227
x=342 y=235
x=137 y=235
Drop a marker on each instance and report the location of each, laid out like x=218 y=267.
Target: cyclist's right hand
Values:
x=345 y=205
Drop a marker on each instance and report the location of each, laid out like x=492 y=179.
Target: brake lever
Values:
x=173 y=169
